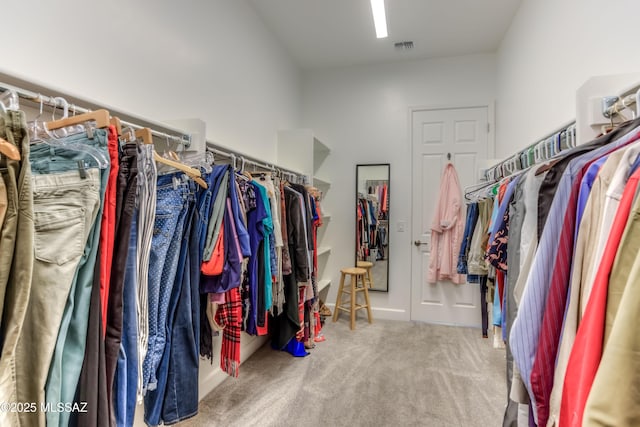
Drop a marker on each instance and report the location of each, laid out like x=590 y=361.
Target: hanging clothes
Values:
x=446 y=230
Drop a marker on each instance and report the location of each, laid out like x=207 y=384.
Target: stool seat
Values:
x=353 y=270
x=357 y=284
x=368 y=278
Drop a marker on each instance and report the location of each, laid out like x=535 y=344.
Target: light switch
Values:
x=401 y=226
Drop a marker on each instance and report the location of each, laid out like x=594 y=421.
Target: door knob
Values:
x=418 y=243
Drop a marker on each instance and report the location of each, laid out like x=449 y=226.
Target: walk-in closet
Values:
x=302 y=213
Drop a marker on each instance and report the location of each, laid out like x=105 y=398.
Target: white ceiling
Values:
x=334 y=33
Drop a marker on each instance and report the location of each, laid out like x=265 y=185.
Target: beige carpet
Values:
x=385 y=374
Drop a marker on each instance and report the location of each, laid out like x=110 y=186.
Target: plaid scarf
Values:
x=229 y=316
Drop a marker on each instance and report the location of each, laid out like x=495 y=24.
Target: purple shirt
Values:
x=585 y=190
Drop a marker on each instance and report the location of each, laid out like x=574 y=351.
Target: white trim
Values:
x=383 y=313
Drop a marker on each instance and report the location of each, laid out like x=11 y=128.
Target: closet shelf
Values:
x=320 y=147
x=326 y=217
x=323 y=250
x=323 y=284
x=318 y=182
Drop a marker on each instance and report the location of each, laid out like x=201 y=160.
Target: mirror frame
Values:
x=355 y=251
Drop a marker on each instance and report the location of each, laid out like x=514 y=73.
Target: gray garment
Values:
x=65 y=208
x=146 y=203
x=296 y=234
x=217 y=215
x=516 y=217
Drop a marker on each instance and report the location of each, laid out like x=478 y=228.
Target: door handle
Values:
x=418 y=243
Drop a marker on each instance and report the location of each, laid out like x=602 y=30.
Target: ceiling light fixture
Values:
x=379 y=18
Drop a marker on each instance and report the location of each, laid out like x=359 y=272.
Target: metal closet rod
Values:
x=59 y=102
x=524 y=151
x=251 y=160
x=620 y=103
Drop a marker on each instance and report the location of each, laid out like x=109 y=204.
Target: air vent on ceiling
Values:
x=406 y=45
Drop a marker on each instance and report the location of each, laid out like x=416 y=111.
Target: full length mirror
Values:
x=372 y=223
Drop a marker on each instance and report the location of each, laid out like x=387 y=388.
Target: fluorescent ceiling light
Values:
x=379 y=18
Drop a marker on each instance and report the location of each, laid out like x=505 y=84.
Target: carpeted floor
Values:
x=386 y=374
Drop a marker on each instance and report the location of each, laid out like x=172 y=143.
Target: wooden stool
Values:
x=357 y=285
x=367 y=266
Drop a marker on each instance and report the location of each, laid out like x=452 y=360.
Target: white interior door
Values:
x=462 y=132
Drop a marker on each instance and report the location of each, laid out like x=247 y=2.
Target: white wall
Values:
x=362 y=113
x=213 y=60
x=550 y=50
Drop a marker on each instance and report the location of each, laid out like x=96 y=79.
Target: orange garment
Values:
x=108 y=226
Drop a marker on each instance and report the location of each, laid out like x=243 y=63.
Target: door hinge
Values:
x=488 y=127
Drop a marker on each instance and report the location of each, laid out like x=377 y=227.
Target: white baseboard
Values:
x=385 y=313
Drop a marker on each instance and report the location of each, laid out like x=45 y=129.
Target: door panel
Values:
x=460 y=133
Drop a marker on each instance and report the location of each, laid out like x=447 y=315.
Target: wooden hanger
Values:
x=101 y=117
x=146 y=137
x=9 y=150
x=115 y=121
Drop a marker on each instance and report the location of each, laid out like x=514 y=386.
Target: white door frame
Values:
x=491 y=146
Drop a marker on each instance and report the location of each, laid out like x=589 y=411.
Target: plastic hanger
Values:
x=79 y=122
x=146 y=137
x=9 y=100
x=7 y=148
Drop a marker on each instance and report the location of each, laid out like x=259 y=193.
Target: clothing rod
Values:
x=73 y=104
x=526 y=150
x=216 y=149
x=621 y=104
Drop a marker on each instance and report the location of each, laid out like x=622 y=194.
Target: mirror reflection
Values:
x=372 y=223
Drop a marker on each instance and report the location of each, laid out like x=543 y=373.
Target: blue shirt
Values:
x=255 y=228
x=585 y=190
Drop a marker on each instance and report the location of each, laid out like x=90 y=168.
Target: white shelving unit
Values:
x=301 y=150
x=323 y=250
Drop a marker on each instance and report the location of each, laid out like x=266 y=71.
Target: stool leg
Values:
x=366 y=297
x=370 y=277
x=354 y=280
x=338 y=299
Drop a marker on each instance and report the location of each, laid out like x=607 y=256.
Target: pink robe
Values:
x=446 y=230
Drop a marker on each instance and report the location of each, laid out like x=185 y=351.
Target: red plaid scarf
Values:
x=229 y=315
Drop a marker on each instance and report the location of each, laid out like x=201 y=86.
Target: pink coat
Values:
x=446 y=230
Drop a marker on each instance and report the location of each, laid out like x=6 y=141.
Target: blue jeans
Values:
x=176 y=256
x=181 y=397
x=469 y=228
x=126 y=380
x=163 y=265
x=176 y=396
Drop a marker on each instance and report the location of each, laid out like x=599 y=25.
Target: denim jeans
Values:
x=126 y=380
x=66 y=365
x=165 y=248
x=16 y=256
x=181 y=396
x=179 y=301
x=126 y=205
